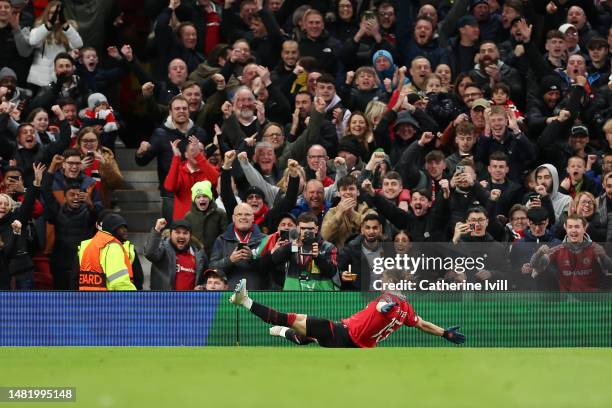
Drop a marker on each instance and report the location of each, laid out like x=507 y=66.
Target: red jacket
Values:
x=180 y=179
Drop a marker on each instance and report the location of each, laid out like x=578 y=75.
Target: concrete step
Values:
x=146 y=195
x=140 y=179
x=125 y=158
x=140 y=221
x=139 y=205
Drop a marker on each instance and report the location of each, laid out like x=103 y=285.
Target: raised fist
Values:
x=160 y=224
x=147 y=89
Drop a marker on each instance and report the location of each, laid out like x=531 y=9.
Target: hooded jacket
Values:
x=207 y=225
x=560 y=201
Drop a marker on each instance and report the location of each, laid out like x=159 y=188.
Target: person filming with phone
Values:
x=310 y=261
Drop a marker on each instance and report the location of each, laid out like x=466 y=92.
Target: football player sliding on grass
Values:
x=366 y=328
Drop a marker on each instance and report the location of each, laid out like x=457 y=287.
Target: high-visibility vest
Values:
x=91 y=272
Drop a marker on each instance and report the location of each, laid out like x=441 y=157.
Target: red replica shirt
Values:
x=185 y=270
x=369 y=326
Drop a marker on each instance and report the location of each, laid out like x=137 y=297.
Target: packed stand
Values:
x=296 y=141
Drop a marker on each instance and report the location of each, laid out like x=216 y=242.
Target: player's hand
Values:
x=387 y=307
x=451 y=334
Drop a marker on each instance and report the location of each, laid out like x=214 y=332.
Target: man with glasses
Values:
x=316 y=160
x=474 y=230
x=233 y=251
x=387 y=19
x=72 y=173
x=471 y=94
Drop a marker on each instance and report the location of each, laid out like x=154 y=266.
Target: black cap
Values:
x=537 y=214
x=288 y=215
x=579 y=130
x=350 y=145
x=215 y=273
x=468 y=19
x=112 y=221
x=254 y=190
x=550 y=83
x=474 y=3
x=181 y=224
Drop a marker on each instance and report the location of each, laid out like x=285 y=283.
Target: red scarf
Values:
x=93 y=171
x=261 y=214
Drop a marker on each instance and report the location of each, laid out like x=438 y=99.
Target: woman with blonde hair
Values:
x=585 y=205
x=374 y=112
x=51 y=34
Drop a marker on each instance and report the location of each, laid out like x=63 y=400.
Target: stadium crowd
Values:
x=294 y=138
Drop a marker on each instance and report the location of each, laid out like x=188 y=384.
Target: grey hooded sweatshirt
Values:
x=559 y=200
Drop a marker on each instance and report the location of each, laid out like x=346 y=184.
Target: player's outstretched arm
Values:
x=451 y=334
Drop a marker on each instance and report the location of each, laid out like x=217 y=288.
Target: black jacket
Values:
x=324 y=49
x=351 y=254
x=26 y=157
x=162 y=150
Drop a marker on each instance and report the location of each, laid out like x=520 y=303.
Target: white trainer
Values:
x=240 y=293
x=278 y=331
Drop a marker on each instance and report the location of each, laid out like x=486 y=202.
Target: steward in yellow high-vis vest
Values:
x=104 y=264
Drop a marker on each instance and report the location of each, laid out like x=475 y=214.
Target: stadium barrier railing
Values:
x=489 y=319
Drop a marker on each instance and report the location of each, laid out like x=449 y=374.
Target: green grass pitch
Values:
x=314 y=377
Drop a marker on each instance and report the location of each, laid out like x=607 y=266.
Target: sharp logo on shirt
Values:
x=181 y=268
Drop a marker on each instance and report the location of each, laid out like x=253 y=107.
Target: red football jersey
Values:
x=369 y=326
